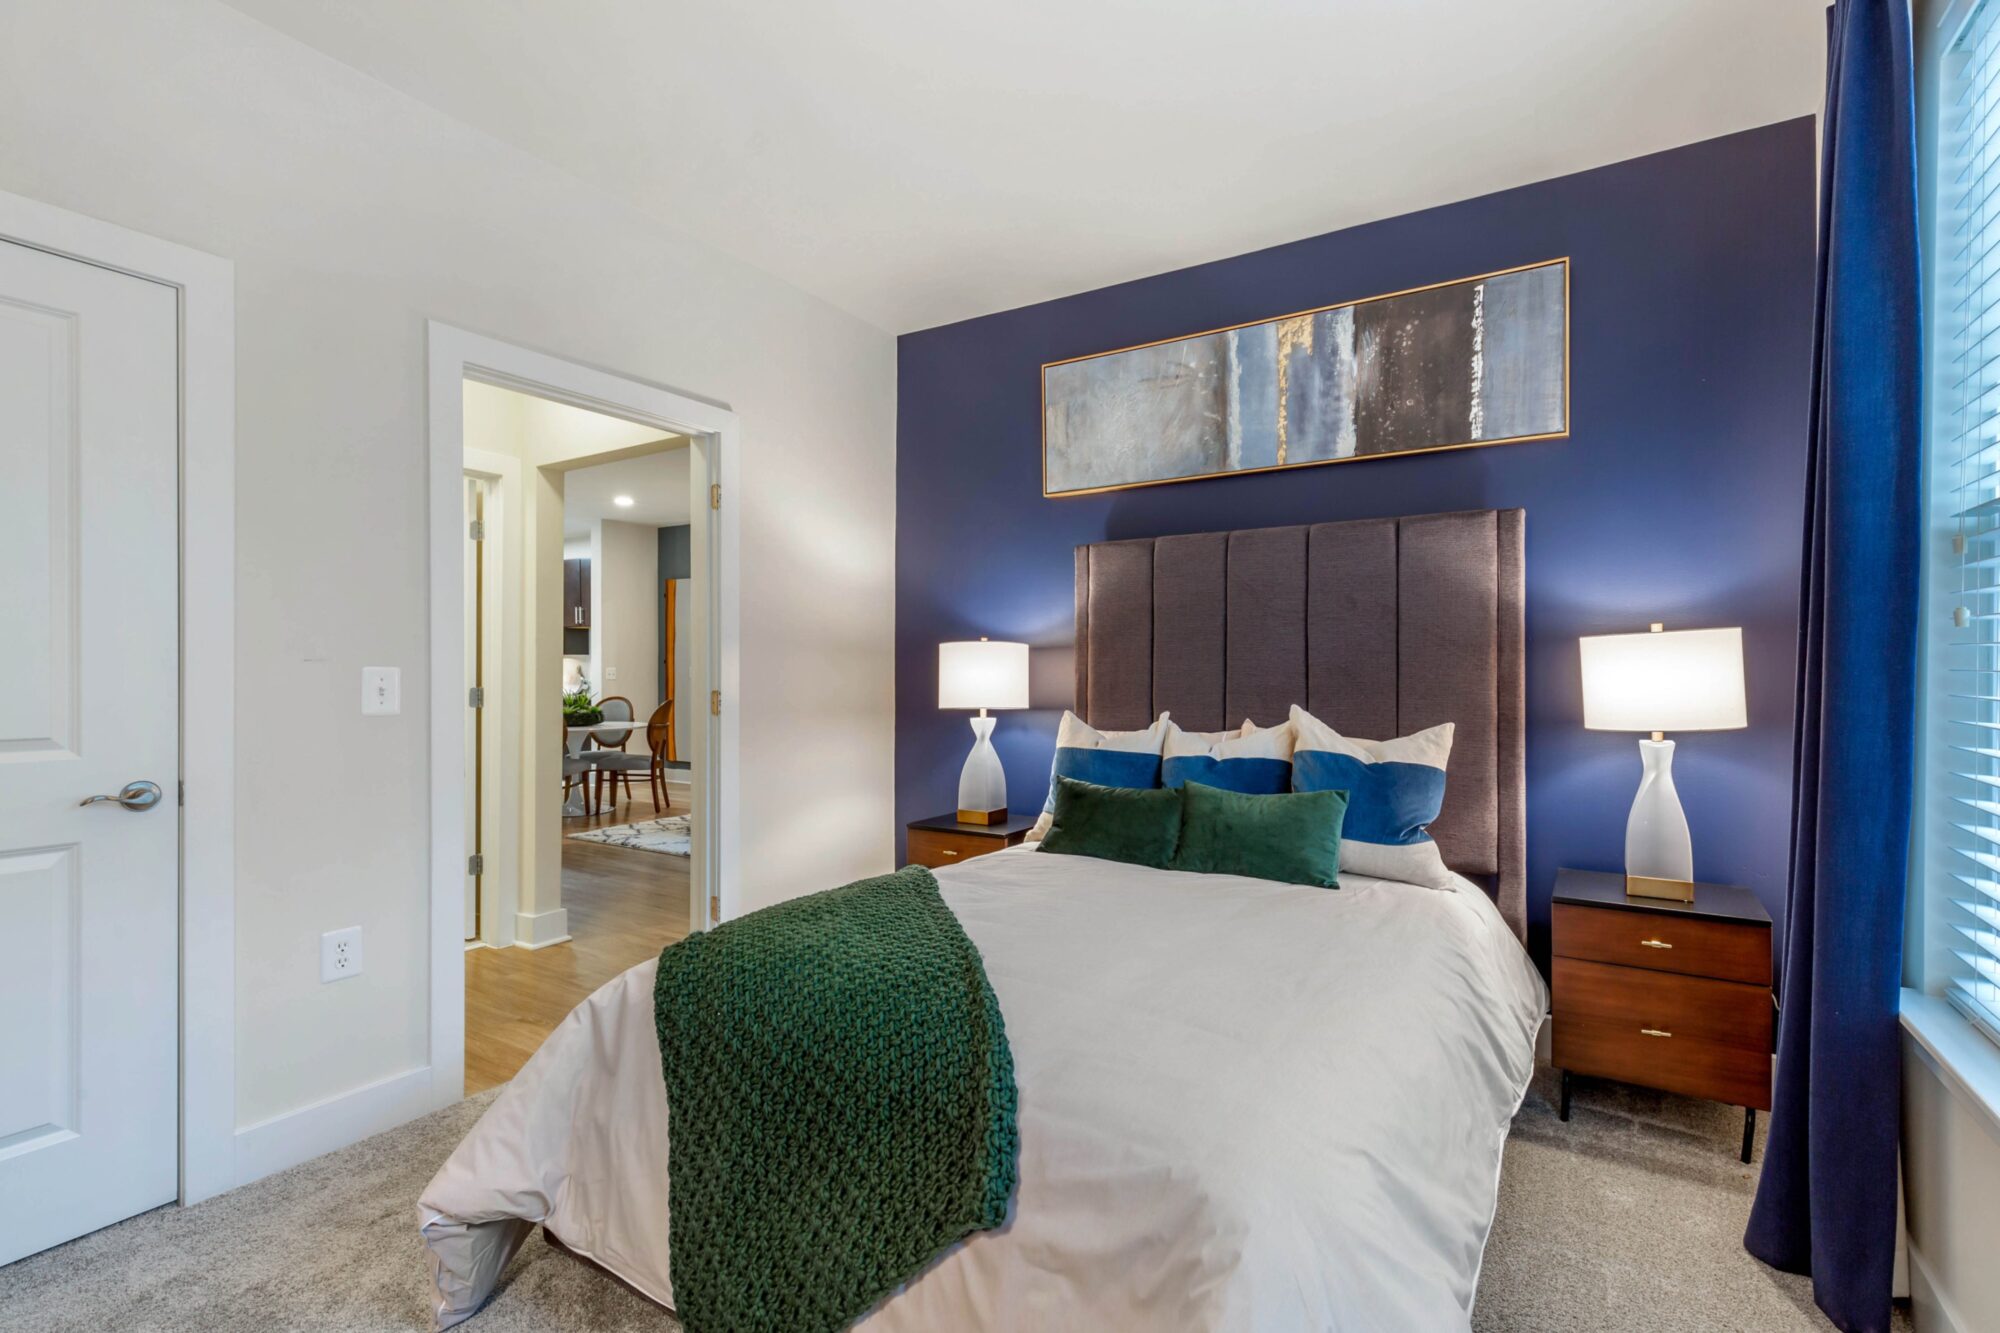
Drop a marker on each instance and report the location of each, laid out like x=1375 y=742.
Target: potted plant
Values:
x=578 y=710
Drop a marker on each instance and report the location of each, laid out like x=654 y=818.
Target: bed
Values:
x=1242 y=1104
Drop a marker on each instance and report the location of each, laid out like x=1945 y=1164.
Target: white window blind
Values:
x=1963 y=910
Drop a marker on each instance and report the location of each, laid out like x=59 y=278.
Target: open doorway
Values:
x=600 y=509
x=591 y=614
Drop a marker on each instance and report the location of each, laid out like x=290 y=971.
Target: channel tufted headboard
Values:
x=1380 y=627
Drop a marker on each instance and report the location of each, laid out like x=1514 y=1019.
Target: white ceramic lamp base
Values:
x=1659 y=856
x=982 y=783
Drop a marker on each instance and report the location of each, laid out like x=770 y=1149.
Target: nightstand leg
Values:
x=1563 y=1112
x=1749 y=1130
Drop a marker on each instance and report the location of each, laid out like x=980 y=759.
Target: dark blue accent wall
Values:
x=676 y=562
x=1677 y=497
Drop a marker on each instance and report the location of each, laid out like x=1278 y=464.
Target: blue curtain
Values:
x=1826 y=1203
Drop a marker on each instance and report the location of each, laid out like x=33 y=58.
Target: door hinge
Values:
x=476 y=697
x=475 y=864
x=715 y=495
x=476 y=531
x=181 y=793
x=715 y=703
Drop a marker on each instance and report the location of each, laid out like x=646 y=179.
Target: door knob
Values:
x=134 y=796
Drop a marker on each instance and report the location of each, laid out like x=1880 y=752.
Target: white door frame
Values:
x=505 y=598
x=456 y=355
x=207 y=288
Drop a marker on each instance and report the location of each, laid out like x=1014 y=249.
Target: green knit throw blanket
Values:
x=840 y=1096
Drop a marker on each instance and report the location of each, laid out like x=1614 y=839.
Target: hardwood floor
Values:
x=624 y=907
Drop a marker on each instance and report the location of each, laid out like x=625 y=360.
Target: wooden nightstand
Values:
x=943 y=841
x=1675 y=996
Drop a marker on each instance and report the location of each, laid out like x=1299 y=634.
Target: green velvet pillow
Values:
x=1115 y=823
x=1293 y=838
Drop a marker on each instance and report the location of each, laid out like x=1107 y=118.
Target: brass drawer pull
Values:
x=1655 y=1032
x=947 y=851
x=1654 y=944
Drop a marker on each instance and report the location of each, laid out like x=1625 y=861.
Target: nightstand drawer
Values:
x=1608 y=1048
x=935 y=847
x=1661 y=942
x=1725 y=1013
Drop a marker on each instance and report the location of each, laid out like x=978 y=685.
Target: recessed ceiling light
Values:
x=622 y=501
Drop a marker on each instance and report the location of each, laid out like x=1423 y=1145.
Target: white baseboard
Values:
x=1930 y=1309
x=538 y=930
x=301 y=1135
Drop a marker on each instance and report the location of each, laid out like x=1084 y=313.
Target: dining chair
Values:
x=576 y=767
x=607 y=744
x=658 y=727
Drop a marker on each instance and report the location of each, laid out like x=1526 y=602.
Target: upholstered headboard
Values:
x=1380 y=627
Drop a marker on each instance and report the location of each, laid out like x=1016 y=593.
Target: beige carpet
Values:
x=1628 y=1217
x=1631 y=1217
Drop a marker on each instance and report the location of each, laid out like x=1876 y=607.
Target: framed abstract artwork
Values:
x=1457 y=365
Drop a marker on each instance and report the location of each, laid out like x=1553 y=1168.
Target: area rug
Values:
x=668 y=836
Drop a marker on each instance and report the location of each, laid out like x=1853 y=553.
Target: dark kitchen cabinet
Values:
x=576 y=594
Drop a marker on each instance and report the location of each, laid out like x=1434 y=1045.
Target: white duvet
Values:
x=1243 y=1105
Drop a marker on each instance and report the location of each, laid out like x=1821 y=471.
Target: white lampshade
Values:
x=1681 y=680
x=982 y=674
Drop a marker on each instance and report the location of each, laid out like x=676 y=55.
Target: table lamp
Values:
x=1683 y=680
x=982 y=675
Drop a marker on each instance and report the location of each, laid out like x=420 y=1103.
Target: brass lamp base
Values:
x=1645 y=886
x=983 y=816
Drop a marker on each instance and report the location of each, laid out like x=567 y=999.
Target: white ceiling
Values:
x=657 y=483
x=922 y=161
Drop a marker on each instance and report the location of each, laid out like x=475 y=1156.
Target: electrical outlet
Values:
x=381 y=690
x=340 y=954
x=611 y=673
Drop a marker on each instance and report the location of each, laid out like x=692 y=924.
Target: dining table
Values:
x=573 y=807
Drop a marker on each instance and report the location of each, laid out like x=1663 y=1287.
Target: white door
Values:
x=475 y=680
x=89 y=703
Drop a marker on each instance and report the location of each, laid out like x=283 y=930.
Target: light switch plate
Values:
x=340 y=954
x=381 y=690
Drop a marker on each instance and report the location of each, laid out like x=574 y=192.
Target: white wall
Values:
x=1951 y=1183
x=625 y=606
x=353 y=214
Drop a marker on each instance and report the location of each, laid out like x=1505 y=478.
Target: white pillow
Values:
x=1256 y=761
x=1395 y=788
x=1182 y=741
x=1108 y=758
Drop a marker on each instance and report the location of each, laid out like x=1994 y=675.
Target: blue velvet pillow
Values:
x=1106 y=758
x=1394 y=789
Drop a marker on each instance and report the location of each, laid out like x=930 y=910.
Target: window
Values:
x=1960 y=903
